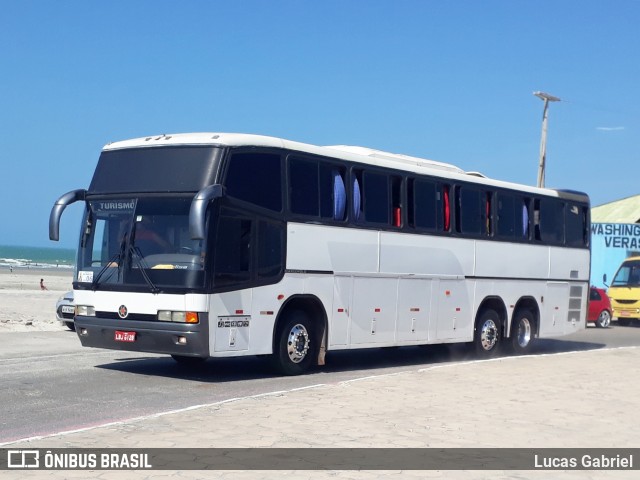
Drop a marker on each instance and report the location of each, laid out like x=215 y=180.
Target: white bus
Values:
x=220 y=245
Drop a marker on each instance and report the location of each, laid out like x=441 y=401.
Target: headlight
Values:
x=177 y=316
x=85 y=311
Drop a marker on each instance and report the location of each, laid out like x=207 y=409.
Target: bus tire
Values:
x=295 y=344
x=487 y=337
x=522 y=331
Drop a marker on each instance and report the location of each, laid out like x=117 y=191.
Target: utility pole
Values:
x=543 y=141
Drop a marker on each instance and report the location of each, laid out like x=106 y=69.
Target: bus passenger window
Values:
x=446 y=207
x=575 y=225
x=423 y=199
x=339 y=195
x=357 y=197
x=489 y=214
x=525 y=219
x=396 y=201
x=471 y=210
x=255 y=178
x=304 y=196
x=375 y=194
x=550 y=220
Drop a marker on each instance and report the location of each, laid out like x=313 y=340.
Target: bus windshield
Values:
x=140 y=243
x=628 y=275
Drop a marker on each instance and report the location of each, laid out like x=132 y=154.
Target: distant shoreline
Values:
x=38 y=270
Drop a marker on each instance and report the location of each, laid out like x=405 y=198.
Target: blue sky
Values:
x=446 y=80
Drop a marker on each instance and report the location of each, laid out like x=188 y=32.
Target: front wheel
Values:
x=487 y=336
x=295 y=344
x=522 y=331
x=604 y=319
x=71 y=326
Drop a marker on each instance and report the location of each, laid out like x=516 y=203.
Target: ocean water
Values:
x=36 y=257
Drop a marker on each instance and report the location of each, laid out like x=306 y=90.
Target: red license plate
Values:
x=125 y=336
x=625 y=313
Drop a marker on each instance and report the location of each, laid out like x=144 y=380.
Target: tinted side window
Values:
x=270 y=250
x=506 y=216
x=470 y=214
x=423 y=204
x=255 y=178
x=513 y=217
x=303 y=187
x=551 y=220
x=576 y=225
x=247 y=250
x=377 y=204
x=232 y=253
x=317 y=189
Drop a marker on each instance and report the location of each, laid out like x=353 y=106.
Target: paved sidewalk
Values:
x=572 y=400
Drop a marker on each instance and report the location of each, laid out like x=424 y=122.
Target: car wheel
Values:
x=71 y=326
x=604 y=319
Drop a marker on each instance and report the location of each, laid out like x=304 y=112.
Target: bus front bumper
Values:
x=190 y=340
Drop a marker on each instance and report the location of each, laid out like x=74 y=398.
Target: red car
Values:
x=599 y=307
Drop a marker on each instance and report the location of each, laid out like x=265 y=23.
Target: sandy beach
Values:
x=24 y=306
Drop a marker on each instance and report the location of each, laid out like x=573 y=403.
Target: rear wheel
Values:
x=522 y=331
x=295 y=345
x=604 y=319
x=487 y=336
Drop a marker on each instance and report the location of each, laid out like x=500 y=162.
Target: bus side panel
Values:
x=340 y=315
x=566 y=263
x=425 y=255
x=331 y=249
x=231 y=324
x=511 y=260
x=414 y=310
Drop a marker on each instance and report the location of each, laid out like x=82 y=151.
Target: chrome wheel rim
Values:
x=489 y=335
x=604 y=319
x=298 y=343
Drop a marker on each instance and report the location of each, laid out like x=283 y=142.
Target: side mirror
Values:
x=198 y=211
x=604 y=280
x=58 y=207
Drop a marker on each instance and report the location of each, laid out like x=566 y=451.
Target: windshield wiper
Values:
x=143 y=266
x=108 y=265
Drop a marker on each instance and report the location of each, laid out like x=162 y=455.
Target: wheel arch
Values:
x=314 y=308
x=494 y=303
x=528 y=303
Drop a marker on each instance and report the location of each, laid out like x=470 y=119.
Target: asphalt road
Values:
x=51 y=384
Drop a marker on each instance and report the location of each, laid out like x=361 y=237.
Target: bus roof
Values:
x=343 y=152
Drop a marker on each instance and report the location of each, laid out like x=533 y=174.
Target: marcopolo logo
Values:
x=122 y=311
